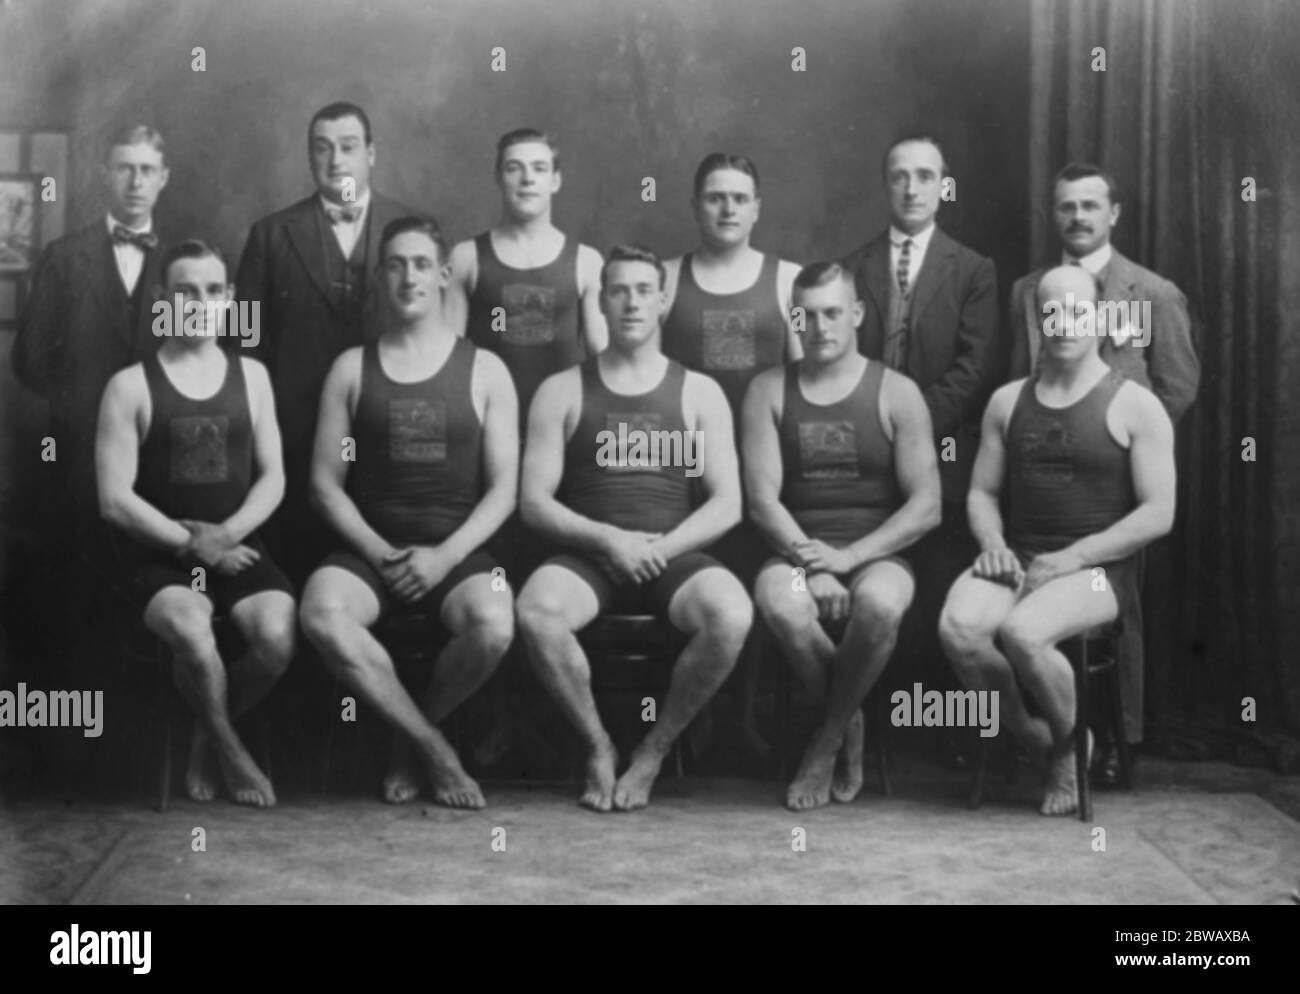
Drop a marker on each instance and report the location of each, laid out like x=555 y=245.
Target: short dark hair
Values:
x=136 y=134
x=632 y=253
x=191 y=248
x=821 y=273
x=1083 y=170
x=422 y=223
x=521 y=135
x=724 y=160
x=337 y=111
x=906 y=139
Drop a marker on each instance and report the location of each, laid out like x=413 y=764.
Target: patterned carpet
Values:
x=700 y=841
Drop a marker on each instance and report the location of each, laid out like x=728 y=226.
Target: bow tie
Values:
x=339 y=214
x=143 y=240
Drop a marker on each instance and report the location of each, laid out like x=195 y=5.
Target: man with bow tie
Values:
x=931 y=314
x=311 y=267
x=88 y=315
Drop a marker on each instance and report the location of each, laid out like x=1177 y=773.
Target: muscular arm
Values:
x=785 y=276
x=917 y=469
x=267 y=491
x=954 y=396
x=553 y=414
x=716 y=449
x=464 y=276
x=982 y=502
x=122 y=425
x=1151 y=457
x=761 y=462
x=594 y=328
x=500 y=458
x=329 y=470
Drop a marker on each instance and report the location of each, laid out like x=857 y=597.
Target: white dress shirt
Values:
x=346 y=233
x=920 y=242
x=1094 y=262
x=130 y=258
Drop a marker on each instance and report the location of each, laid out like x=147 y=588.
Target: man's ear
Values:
x=557 y=182
x=1114 y=214
x=165 y=174
x=370 y=154
x=859 y=312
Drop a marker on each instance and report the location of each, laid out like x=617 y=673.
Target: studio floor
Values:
x=1193 y=833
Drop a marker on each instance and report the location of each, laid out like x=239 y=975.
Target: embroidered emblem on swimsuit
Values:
x=729 y=339
x=1048 y=455
x=198 y=452
x=417 y=431
x=828 y=450
x=530 y=314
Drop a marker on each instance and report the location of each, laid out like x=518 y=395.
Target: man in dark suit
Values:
x=931 y=313
x=311 y=269
x=1152 y=346
x=88 y=315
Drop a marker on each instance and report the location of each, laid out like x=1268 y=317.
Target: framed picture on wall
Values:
x=28 y=221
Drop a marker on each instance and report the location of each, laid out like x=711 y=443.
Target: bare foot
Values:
x=847 y=783
x=599 y=792
x=247 y=784
x=811 y=786
x=202 y=774
x=401 y=785
x=452 y=786
x=633 y=788
x=1062 y=794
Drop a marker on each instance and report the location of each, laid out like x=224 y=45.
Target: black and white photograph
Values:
x=709 y=452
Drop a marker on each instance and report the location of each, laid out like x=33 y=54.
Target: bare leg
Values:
x=880 y=595
x=1031 y=632
x=183 y=619
x=554 y=604
x=337 y=610
x=714 y=611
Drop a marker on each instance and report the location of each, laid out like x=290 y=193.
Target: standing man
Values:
x=615 y=449
x=188 y=458
x=840 y=471
x=434 y=425
x=1159 y=355
x=311 y=269
x=1075 y=475
x=931 y=313
x=729 y=318
x=88 y=316
x=528 y=292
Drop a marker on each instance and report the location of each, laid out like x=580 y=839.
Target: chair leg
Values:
x=881 y=721
x=165 y=762
x=980 y=770
x=1081 y=713
x=1118 y=732
x=782 y=707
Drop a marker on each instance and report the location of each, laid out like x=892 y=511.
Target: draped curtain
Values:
x=1196 y=97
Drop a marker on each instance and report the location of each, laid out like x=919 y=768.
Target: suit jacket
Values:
x=954 y=353
x=302 y=328
x=76 y=332
x=1167 y=365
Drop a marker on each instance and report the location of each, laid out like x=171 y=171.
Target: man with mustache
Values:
x=1160 y=357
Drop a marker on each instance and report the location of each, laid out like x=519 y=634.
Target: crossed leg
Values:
x=837 y=677
x=182 y=618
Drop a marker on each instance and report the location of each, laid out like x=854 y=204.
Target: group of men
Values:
x=514 y=435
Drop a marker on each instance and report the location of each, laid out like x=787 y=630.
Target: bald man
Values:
x=1085 y=460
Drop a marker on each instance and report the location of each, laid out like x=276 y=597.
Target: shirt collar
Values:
x=363 y=202
x=920 y=241
x=113 y=222
x=1094 y=262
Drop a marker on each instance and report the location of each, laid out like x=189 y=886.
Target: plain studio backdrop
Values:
x=636 y=90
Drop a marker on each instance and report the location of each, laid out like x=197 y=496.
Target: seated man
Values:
x=598 y=481
x=841 y=476
x=188 y=463
x=1085 y=459
x=430 y=422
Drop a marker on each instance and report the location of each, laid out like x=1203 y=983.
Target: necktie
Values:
x=143 y=240
x=904 y=261
x=895 y=349
x=340 y=214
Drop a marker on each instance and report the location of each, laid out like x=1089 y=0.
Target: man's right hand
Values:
x=208 y=542
x=831 y=596
x=235 y=560
x=1000 y=566
x=630 y=555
